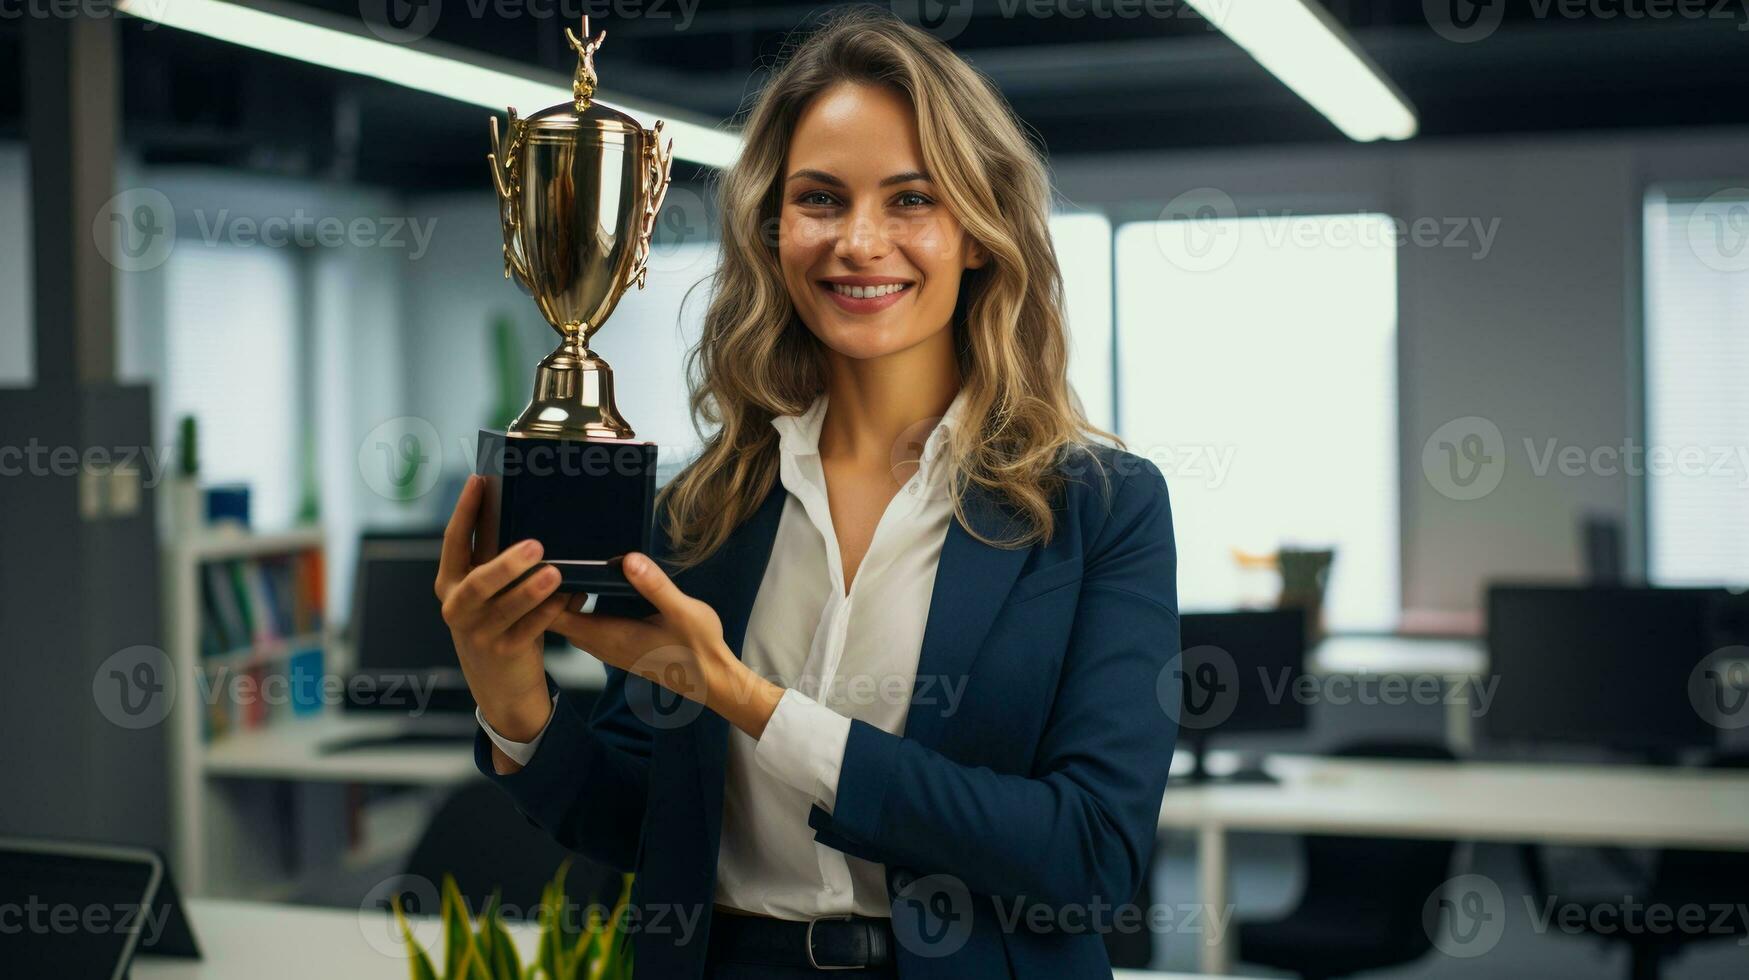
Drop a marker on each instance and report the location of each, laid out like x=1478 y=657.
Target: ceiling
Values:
x=1085 y=85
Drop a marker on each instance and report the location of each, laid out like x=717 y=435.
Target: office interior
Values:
x=1434 y=316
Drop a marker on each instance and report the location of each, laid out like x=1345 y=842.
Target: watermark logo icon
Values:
x=932 y=915
x=665 y=705
x=946 y=19
x=1466 y=916
x=683 y=220
x=920 y=443
x=135 y=687
x=401 y=459
x=1718 y=230
x=1718 y=688
x=1199 y=688
x=135 y=230
x=400 y=21
x=1465 y=459
x=1464 y=21
x=1194 y=231
x=376 y=915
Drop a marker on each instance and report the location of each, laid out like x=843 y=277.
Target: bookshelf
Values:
x=250 y=644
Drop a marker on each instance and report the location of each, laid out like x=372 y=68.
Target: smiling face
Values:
x=870 y=253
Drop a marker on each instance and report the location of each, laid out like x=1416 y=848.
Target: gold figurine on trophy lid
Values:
x=584 y=78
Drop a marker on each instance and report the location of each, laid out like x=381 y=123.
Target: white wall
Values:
x=1540 y=335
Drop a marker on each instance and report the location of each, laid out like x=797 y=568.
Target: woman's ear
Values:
x=975 y=255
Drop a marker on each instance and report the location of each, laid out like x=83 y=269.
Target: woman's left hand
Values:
x=680 y=648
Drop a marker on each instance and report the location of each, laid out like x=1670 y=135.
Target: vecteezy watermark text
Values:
x=34 y=916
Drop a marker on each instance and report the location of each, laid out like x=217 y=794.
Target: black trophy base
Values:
x=588 y=503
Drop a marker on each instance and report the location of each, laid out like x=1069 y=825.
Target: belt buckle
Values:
x=809 y=942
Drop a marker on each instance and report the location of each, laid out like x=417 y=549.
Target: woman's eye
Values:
x=915 y=200
x=815 y=198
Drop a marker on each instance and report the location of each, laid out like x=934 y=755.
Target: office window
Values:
x=1083 y=244
x=1697 y=404
x=17 y=310
x=1257 y=368
x=232 y=362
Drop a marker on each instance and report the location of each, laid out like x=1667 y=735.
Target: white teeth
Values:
x=866 y=292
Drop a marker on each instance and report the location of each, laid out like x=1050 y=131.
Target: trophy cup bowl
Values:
x=579 y=186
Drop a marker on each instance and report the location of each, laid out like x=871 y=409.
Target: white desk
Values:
x=1632 y=806
x=288 y=942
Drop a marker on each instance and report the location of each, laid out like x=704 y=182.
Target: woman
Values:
x=916 y=617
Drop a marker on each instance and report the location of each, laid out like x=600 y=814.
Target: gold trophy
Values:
x=579 y=185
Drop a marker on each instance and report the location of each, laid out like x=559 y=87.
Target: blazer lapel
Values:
x=730 y=582
x=971 y=581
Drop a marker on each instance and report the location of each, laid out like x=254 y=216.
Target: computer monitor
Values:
x=401 y=646
x=1603 y=666
x=1239 y=672
x=404 y=659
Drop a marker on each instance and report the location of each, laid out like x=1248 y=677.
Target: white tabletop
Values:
x=288 y=942
x=1543 y=802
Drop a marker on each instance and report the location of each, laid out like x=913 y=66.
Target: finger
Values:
x=469 y=600
x=654 y=584
x=458 y=537
x=521 y=599
x=614 y=639
x=529 y=628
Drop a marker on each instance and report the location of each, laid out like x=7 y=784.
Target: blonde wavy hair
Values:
x=756 y=360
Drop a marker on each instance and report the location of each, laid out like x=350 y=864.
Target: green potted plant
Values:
x=600 y=950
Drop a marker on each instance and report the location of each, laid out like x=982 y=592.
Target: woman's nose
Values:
x=862 y=237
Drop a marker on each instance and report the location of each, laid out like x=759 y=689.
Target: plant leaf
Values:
x=548 y=955
x=506 y=962
x=418 y=964
x=497 y=953
x=610 y=939
x=483 y=937
x=458 y=932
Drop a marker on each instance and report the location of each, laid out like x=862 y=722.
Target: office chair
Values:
x=1361 y=908
x=481 y=839
x=1678 y=878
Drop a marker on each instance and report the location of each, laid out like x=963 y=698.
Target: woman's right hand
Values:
x=498 y=626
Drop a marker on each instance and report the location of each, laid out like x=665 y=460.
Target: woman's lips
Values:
x=851 y=304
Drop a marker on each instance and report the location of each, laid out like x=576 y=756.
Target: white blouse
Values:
x=842 y=655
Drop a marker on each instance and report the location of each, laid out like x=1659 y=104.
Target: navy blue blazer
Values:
x=1008 y=819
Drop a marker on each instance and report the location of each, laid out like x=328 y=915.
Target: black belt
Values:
x=839 y=942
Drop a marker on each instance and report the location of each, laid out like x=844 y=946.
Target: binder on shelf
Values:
x=304 y=671
x=224 y=603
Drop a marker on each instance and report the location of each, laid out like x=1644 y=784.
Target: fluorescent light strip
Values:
x=1300 y=44
x=412 y=66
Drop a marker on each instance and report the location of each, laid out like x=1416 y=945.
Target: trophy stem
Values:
x=573 y=396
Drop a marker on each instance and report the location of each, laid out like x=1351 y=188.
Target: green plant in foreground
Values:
x=601 y=950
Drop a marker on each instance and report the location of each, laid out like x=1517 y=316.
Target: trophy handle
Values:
x=507 y=179
x=658 y=160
